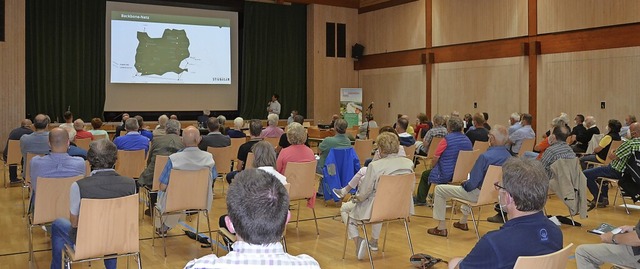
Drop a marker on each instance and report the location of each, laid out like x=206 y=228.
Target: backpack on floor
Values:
x=424 y=261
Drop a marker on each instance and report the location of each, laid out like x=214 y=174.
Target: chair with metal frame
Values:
x=223 y=158
x=161 y=162
x=303 y=185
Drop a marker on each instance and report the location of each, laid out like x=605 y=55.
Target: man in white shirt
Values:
x=274 y=105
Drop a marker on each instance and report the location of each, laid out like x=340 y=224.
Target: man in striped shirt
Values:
x=614 y=169
x=258 y=207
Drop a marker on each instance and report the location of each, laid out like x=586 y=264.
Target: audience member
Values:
x=467 y=121
x=78 y=125
x=161 y=129
x=272 y=129
x=514 y=122
x=73 y=149
x=297 y=151
x=237 y=132
x=614 y=169
x=256 y=199
x=173 y=117
x=621 y=248
x=522 y=193
x=601 y=151
x=255 y=126
x=96 y=123
x=68 y=119
x=365 y=126
x=16 y=134
x=409 y=128
x=628 y=120
x=284 y=142
x=120 y=128
x=133 y=140
x=204 y=118
x=406 y=139
x=265 y=160
x=422 y=126
x=438 y=130
x=486 y=121
x=141 y=129
x=479 y=133
x=444 y=158
x=222 y=120
x=103 y=183
x=333 y=120
x=293 y=114
x=38 y=141
x=215 y=138
x=558 y=148
x=469 y=190
x=583 y=140
x=361 y=205
x=164 y=145
x=524 y=132
x=274 y=105
x=578 y=130
x=340 y=140
x=190 y=158
x=544 y=144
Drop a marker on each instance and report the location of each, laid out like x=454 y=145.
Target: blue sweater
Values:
x=442 y=172
x=493 y=156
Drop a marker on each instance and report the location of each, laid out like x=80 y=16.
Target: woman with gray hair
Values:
x=264 y=158
x=236 y=132
x=161 y=129
x=298 y=151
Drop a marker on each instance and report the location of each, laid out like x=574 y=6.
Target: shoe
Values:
x=147 y=212
x=361 y=246
x=497 y=219
x=461 y=226
x=436 y=231
x=373 y=244
x=339 y=192
x=417 y=203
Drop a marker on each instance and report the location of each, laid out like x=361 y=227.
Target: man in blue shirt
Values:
x=469 y=190
x=141 y=130
x=58 y=163
x=133 y=140
x=522 y=193
x=524 y=132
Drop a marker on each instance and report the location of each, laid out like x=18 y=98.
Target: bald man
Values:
x=16 y=134
x=189 y=158
x=614 y=169
x=58 y=163
x=38 y=141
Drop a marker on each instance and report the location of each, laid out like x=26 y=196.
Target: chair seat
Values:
x=228 y=234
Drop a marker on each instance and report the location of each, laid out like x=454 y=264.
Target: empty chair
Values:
x=363 y=149
x=223 y=158
x=302 y=185
x=107 y=228
x=130 y=163
x=556 y=260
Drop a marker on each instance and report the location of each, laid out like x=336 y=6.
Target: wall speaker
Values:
x=356 y=51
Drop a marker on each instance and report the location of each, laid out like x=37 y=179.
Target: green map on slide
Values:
x=157 y=56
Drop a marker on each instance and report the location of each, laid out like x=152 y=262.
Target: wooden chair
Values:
x=303 y=185
x=107 y=228
x=250 y=158
x=363 y=149
x=306 y=124
x=273 y=141
x=464 y=164
x=353 y=132
x=83 y=143
x=130 y=163
x=14 y=157
x=390 y=205
x=614 y=184
x=26 y=181
x=161 y=162
x=313 y=132
x=373 y=133
x=556 y=260
x=488 y=195
x=223 y=158
x=123 y=132
x=481 y=146
x=527 y=145
x=98 y=137
x=51 y=202
x=614 y=146
x=186 y=193
x=427 y=161
x=235 y=145
x=410 y=151
x=87 y=168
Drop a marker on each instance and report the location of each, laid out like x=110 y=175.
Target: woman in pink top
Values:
x=297 y=152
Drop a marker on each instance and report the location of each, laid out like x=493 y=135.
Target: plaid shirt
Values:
x=559 y=150
x=623 y=152
x=245 y=255
x=436 y=131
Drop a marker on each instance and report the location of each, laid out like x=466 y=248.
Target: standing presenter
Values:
x=274 y=105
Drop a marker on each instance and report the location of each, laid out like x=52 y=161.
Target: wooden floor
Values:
x=326 y=248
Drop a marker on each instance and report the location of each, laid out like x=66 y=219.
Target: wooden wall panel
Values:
x=364 y=3
x=325 y=76
x=393 y=91
x=577 y=82
x=393 y=29
x=12 y=69
x=499 y=86
x=566 y=15
x=464 y=21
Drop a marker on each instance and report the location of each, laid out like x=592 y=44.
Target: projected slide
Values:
x=169 y=49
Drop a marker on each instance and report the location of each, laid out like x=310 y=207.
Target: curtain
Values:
x=65 y=58
x=274 y=58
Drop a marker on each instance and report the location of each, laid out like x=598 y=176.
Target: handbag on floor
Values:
x=424 y=261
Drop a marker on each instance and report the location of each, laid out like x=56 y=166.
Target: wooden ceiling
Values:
x=338 y=3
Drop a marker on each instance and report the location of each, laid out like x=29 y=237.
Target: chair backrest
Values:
x=273 y=141
x=99 y=136
x=556 y=260
x=306 y=124
x=481 y=146
x=83 y=143
x=235 y=145
x=107 y=226
x=302 y=179
x=14 y=156
x=433 y=146
x=393 y=198
x=188 y=189
x=27 y=166
x=373 y=133
x=249 y=163
x=87 y=167
x=352 y=132
x=614 y=146
x=223 y=157
x=488 y=193
x=130 y=163
x=466 y=160
x=161 y=162
x=123 y=132
x=52 y=199
x=410 y=151
x=527 y=145
x=363 y=149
